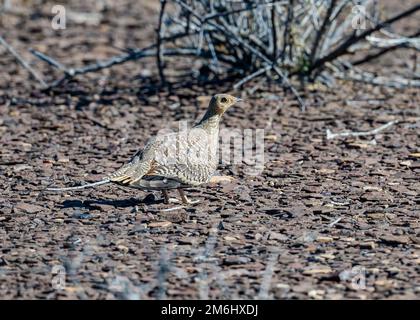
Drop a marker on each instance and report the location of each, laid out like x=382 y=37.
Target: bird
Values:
x=179 y=160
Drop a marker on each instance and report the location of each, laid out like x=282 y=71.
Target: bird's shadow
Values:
x=92 y=204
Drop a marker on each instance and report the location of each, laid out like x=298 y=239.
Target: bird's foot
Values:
x=184 y=198
x=171 y=200
x=168 y=200
x=188 y=201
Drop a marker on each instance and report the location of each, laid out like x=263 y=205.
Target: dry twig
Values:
x=242 y=40
x=22 y=61
x=331 y=135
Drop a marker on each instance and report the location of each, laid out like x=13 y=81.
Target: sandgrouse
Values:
x=175 y=160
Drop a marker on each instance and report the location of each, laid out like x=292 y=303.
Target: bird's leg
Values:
x=166 y=198
x=185 y=199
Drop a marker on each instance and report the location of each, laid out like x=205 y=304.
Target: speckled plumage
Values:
x=188 y=158
x=175 y=160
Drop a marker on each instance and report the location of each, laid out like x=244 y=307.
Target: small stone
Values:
x=25 y=146
x=229 y=238
x=283 y=286
x=122 y=248
x=322 y=210
x=326 y=171
x=258 y=236
x=271 y=137
x=376 y=215
x=235 y=260
x=21 y=167
x=327 y=256
x=395 y=240
x=187 y=241
x=324 y=239
x=384 y=283
x=316 y=294
x=28 y=208
x=367 y=245
x=393 y=270
x=317 y=270
x=371 y=188
x=302 y=287
x=160 y=224
x=406 y=163
x=415 y=155
x=373 y=196
x=222 y=179
x=174 y=106
x=359 y=145
x=277 y=236
x=82 y=216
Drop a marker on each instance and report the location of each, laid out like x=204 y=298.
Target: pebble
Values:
x=28 y=208
x=160 y=224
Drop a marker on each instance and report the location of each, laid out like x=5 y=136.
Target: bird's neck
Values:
x=210 y=120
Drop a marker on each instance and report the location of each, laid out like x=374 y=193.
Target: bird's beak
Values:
x=238 y=99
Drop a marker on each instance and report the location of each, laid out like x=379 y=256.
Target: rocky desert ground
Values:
x=325 y=219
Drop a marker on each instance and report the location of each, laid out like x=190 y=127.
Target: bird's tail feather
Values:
x=89 y=185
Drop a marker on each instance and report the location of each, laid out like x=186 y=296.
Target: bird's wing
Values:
x=187 y=157
x=139 y=165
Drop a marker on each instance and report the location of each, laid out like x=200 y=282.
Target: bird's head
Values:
x=221 y=102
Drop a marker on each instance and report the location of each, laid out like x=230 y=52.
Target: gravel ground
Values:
x=326 y=219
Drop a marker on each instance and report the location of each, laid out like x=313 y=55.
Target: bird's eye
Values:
x=223 y=100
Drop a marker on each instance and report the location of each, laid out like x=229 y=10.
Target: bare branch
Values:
x=376 y=55
x=22 y=61
x=159 y=43
x=70 y=73
x=321 y=31
x=366 y=77
x=331 y=135
x=252 y=76
x=244 y=39
x=343 y=48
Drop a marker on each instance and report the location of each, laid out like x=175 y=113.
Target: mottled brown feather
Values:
x=150 y=169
